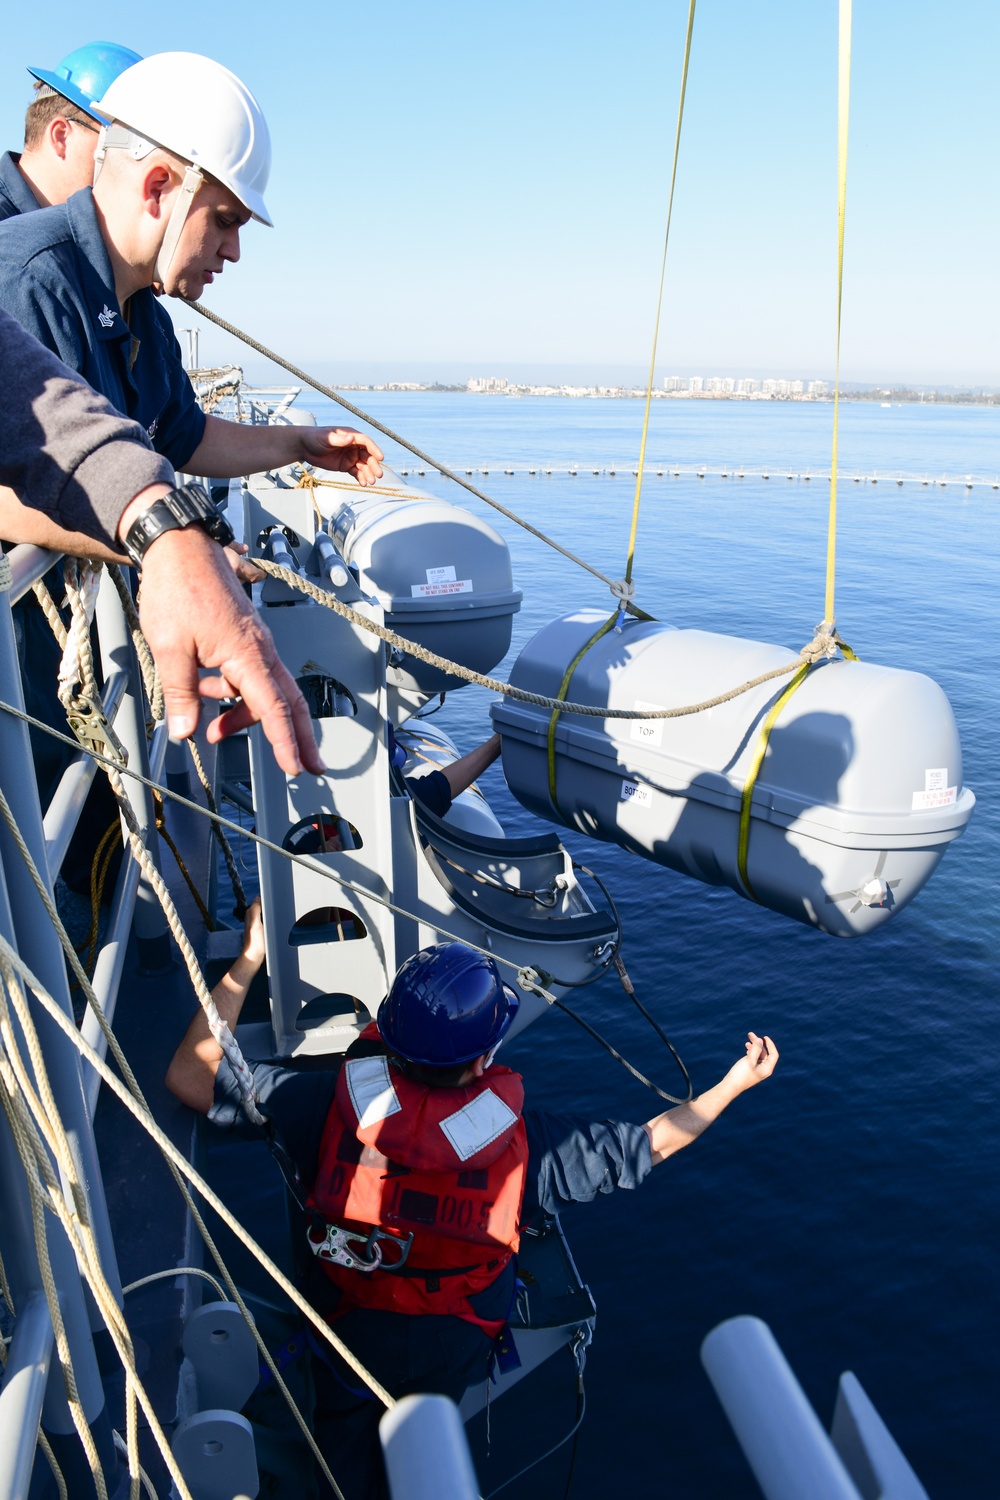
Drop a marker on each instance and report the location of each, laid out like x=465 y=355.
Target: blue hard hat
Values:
x=447 y=1005
x=84 y=76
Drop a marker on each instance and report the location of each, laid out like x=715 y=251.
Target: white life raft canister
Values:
x=858 y=795
x=442 y=576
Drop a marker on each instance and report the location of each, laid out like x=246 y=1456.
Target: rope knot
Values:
x=623 y=589
x=824 y=643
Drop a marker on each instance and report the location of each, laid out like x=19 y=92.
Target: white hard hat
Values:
x=196 y=109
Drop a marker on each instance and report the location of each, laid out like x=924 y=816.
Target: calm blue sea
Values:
x=853 y=1201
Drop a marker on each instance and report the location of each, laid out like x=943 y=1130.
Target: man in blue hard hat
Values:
x=61 y=129
x=181 y=167
x=418 y=1165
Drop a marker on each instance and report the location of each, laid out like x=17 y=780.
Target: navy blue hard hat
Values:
x=85 y=75
x=447 y=1005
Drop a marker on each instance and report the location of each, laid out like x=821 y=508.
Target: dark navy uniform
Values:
x=16 y=196
x=569 y=1161
x=56 y=279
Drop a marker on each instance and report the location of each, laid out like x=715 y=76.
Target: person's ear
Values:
x=155 y=186
x=59 y=136
x=478 y=1066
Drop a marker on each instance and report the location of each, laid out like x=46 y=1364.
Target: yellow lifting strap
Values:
x=616 y=617
x=829 y=624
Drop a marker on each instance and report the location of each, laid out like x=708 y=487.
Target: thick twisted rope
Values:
x=132 y=1084
x=70 y=1205
x=824 y=643
x=50 y=610
x=169 y=1150
x=78 y=669
x=334 y=395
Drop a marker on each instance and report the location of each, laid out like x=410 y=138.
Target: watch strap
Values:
x=188 y=505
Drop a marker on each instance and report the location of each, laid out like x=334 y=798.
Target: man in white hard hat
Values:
x=61 y=129
x=180 y=169
x=77 y=469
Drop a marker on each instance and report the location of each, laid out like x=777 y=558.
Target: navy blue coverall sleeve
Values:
x=569 y=1160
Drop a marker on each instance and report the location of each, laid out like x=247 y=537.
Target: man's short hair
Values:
x=46 y=107
x=431 y=1077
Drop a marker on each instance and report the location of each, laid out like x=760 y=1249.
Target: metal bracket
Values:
x=223 y=1354
x=91 y=727
x=215 y=1453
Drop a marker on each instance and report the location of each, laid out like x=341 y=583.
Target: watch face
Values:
x=189 y=505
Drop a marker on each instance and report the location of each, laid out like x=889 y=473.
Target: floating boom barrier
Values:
x=722 y=471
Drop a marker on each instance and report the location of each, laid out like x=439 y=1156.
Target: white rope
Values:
x=507 y=689
x=9 y=958
x=171 y=1275
x=116 y=1051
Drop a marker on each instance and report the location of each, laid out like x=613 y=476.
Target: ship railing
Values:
x=32 y=1379
x=784 y=1441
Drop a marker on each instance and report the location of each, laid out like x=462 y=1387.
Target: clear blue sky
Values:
x=476 y=188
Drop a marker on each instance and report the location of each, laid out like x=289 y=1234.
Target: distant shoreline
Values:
x=890 y=397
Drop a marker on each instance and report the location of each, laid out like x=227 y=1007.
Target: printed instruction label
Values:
x=440 y=575
x=448 y=586
x=634 y=791
x=647 y=731
x=936 y=792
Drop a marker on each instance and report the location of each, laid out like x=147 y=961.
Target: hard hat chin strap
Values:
x=119 y=138
x=193 y=180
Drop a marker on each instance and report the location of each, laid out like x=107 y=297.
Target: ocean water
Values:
x=852 y=1201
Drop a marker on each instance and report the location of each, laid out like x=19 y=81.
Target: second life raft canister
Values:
x=442 y=576
x=857 y=797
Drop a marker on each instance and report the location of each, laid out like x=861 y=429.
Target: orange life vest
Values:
x=446 y=1165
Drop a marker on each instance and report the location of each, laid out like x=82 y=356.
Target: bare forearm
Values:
x=228 y=449
x=462 y=773
x=678 y=1127
x=22 y=523
x=192 y=1072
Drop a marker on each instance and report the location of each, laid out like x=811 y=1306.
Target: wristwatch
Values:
x=188 y=505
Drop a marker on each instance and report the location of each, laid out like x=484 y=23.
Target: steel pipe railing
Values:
x=111 y=959
x=23 y=1392
x=63 y=811
x=33 y=1389
x=27 y=565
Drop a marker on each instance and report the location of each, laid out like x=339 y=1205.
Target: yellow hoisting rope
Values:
x=624 y=591
x=829 y=625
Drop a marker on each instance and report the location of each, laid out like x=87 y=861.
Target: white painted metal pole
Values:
x=24 y=1379
x=784 y=1441
x=426 y=1454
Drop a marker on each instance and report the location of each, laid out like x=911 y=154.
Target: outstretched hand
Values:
x=759 y=1063
x=343 y=449
x=194 y=614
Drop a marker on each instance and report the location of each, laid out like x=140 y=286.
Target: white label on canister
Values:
x=430 y=590
x=945 y=796
x=634 y=791
x=440 y=575
x=647 y=731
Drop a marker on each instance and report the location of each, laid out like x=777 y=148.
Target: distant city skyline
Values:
x=488 y=189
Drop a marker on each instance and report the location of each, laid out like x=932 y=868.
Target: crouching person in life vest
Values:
x=419 y=1163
